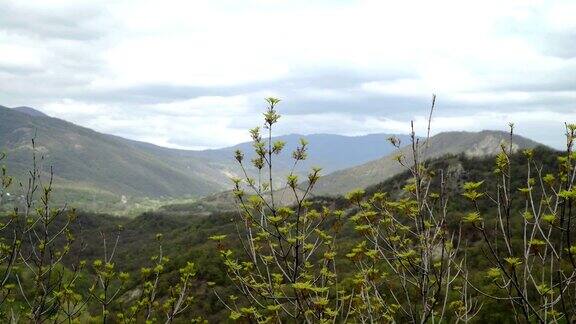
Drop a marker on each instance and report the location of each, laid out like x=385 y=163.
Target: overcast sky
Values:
x=193 y=73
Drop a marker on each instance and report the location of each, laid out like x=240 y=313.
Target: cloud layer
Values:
x=192 y=74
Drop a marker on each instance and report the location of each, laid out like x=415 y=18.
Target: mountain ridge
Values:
x=30 y=111
x=472 y=144
x=79 y=154
x=94 y=165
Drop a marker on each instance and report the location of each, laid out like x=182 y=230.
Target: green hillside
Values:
x=89 y=163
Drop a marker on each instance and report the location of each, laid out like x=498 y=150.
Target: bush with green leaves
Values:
x=406 y=263
x=409 y=261
x=530 y=241
x=287 y=270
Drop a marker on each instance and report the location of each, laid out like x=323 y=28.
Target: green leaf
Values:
x=217 y=237
x=470 y=186
x=514 y=262
x=472 y=218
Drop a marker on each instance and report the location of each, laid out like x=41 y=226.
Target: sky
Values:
x=193 y=74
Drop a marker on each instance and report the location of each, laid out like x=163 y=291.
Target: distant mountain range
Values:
x=91 y=165
x=471 y=144
x=328 y=151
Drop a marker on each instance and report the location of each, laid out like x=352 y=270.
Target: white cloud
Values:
x=19 y=56
x=197 y=123
x=192 y=73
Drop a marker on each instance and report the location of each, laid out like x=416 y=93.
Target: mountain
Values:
x=30 y=111
x=471 y=144
x=328 y=151
x=482 y=145
x=91 y=166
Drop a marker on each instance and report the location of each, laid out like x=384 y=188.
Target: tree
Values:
x=533 y=256
x=288 y=266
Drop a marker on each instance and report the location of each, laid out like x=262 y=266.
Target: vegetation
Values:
x=42 y=281
x=411 y=261
x=455 y=238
